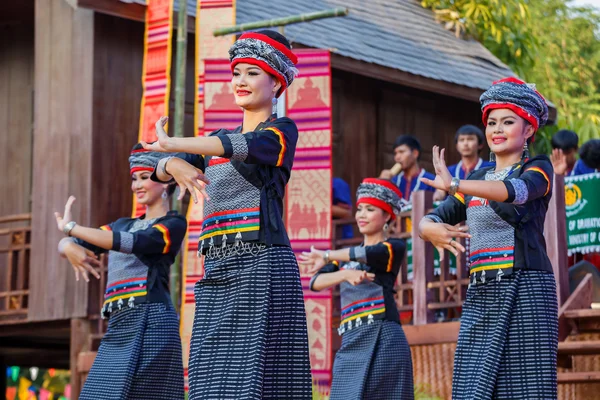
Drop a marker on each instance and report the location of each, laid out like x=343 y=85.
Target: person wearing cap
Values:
x=249 y=338
x=374 y=361
x=508 y=339
x=140 y=355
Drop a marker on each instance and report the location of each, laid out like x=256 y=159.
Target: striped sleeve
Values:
x=164 y=237
x=384 y=257
x=274 y=145
x=534 y=182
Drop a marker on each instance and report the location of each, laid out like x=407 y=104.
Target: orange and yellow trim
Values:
x=105 y=228
x=282 y=142
x=391 y=259
x=544 y=174
x=460 y=197
x=166 y=237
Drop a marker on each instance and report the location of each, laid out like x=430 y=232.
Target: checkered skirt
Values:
x=139 y=357
x=249 y=339
x=508 y=339
x=373 y=363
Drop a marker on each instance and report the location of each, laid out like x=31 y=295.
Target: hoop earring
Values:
x=164 y=194
x=492 y=157
x=386 y=226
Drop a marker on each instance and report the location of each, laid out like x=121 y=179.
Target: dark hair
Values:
x=565 y=140
x=589 y=153
x=468 y=130
x=408 y=140
x=171 y=188
x=276 y=36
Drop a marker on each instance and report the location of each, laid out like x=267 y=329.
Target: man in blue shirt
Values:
x=469 y=141
x=407 y=151
x=342 y=205
x=565 y=144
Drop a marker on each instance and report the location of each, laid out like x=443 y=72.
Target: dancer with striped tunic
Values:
x=140 y=354
x=374 y=361
x=249 y=339
x=508 y=337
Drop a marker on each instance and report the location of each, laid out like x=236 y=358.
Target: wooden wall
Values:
x=16 y=108
x=369 y=114
x=62 y=147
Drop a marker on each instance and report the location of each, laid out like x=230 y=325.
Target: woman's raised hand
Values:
x=443 y=178
x=62 y=220
x=164 y=142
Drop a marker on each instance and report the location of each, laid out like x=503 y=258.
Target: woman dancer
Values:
x=249 y=339
x=508 y=336
x=140 y=354
x=374 y=361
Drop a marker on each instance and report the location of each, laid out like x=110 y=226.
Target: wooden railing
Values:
x=15 y=248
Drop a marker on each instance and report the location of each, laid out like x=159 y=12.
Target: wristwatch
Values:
x=454 y=186
x=69 y=227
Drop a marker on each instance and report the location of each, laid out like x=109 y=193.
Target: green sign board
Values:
x=582 y=200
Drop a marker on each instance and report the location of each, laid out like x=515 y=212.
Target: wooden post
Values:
x=555 y=233
x=422 y=256
x=80 y=341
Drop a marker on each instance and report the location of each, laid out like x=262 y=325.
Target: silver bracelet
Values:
x=326 y=257
x=454 y=186
x=69 y=227
x=164 y=166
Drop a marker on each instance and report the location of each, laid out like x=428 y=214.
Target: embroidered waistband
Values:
x=362 y=311
x=228 y=250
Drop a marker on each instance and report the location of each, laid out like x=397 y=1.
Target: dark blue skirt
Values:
x=508 y=339
x=249 y=339
x=373 y=363
x=139 y=357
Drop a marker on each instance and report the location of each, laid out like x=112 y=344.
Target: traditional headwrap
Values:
x=267 y=53
x=380 y=193
x=141 y=159
x=518 y=96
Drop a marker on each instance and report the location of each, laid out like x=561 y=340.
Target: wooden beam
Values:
x=133 y=11
x=581 y=298
x=436 y=333
x=393 y=75
x=422 y=260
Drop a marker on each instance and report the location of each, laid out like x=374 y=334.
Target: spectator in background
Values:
x=589 y=155
x=469 y=143
x=565 y=144
x=407 y=151
x=341 y=207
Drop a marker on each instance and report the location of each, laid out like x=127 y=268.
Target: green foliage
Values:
x=547 y=42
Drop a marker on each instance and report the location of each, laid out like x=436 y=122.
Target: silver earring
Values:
x=492 y=157
x=164 y=194
x=526 y=151
x=386 y=226
x=274 y=109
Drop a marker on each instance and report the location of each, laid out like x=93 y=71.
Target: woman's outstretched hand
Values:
x=313 y=260
x=62 y=220
x=443 y=178
x=443 y=236
x=188 y=178
x=81 y=259
x=164 y=142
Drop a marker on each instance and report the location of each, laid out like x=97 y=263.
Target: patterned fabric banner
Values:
x=308 y=199
x=583 y=213
x=210 y=14
x=156 y=71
